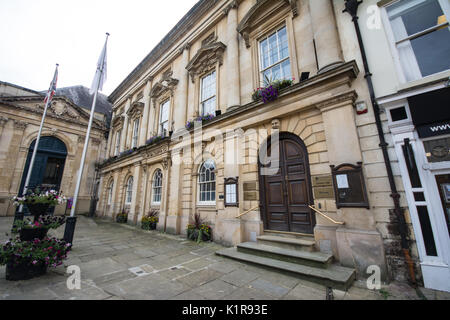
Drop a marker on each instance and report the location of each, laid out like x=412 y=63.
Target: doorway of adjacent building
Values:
x=286 y=195
x=48 y=165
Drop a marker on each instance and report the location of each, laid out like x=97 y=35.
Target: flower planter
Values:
x=121 y=219
x=29 y=234
x=24 y=271
x=149 y=226
x=38 y=209
x=192 y=234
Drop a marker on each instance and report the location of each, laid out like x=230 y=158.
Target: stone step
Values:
x=334 y=276
x=301 y=244
x=312 y=259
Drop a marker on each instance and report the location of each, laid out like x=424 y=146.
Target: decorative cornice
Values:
x=118 y=122
x=167 y=83
x=336 y=101
x=206 y=59
x=135 y=110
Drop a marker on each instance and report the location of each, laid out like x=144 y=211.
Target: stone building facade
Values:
x=211 y=63
x=60 y=148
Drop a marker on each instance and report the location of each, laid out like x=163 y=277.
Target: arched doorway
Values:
x=285 y=195
x=48 y=165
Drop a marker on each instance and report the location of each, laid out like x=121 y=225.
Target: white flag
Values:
x=100 y=74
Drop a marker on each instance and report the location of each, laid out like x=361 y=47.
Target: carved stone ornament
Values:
x=165 y=163
x=259 y=12
x=206 y=59
x=118 y=121
x=20 y=124
x=232 y=5
x=3 y=121
x=276 y=124
x=167 y=83
x=135 y=110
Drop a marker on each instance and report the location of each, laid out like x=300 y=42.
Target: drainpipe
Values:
x=351 y=7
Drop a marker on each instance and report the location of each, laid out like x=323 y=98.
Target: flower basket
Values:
x=149 y=225
x=150 y=220
x=38 y=209
x=29 y=234
x=24 y=271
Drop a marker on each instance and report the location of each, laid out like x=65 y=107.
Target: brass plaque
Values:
x=323 y=193
x=250 y=195
x=322 y=181
x=250 y=186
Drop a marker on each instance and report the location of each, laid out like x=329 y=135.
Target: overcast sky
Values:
x=37 y=34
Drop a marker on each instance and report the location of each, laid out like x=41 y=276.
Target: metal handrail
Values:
x=244 y=213
x=324 y=215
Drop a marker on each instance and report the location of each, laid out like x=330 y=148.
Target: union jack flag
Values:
x=52 y=90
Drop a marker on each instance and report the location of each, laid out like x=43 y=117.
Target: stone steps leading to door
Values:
x=307 y=258
x=334 y=276
x=300 y=244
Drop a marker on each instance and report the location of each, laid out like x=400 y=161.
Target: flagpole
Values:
x=19 y=215
x=71 y=221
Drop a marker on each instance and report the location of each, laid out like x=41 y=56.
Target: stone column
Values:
x=152 y=126
x=108 y=146
x=115 y=201
x=181 y=105
x=165 y=195
x=324 y=27
x=135 y=198
x=147 y=105
x=124 y=135
x=3 y=121
x=176 y=183
x=233 y=84
x=144 y=192
x=15 y=157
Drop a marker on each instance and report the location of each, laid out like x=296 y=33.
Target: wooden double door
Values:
x=286 y=195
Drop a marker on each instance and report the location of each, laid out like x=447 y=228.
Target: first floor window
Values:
x=164 y=118
x=208 y=94
x=421 y=36
x=134 y=142
x=118 y=134
x=129 y=191
x=110 y=192
x=207 y=183
x=157 y=187
x=274 y=57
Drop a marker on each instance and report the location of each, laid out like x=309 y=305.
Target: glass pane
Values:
x=264 y=54
x=165 y=111
x=273 y=49
x=427 y=231
x=276 y=72
x=213 y=195
x=432 y=51
x=282 y=38
x=415 y=16
x=286 y=67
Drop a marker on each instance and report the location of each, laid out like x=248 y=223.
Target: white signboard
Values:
x=342 y=181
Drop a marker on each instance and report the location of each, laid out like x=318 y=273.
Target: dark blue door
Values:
x=48 y=165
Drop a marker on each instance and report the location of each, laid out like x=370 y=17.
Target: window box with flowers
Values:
x=38 y=202
x=203 y=119
x=155 y=139
x=199 y=231
x=271 y=90
x=28 y=259
x=150 y=221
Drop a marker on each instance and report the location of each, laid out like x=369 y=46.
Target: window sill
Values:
x=206 y=205
x=437 y=77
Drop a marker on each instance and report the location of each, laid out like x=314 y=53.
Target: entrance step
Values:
x=312 y=259
x=333 y=276
x=301 y=244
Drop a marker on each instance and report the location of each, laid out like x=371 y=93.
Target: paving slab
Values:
x=239 y=277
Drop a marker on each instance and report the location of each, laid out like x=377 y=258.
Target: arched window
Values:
x=110 y=192
x=207 y=183
x=157 y=187
x=129 y=191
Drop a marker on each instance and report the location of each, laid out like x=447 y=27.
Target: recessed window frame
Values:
x=135 y=137
x=117 y=146
x=157 y=182
x=211 y=183
x=161 y=124
x=203 y=99
x=279 y=62
x=129 y=191
x=393 y=43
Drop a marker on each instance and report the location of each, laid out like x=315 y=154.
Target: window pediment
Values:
x=135 y=110
x=206 y=59
x=260 y=11
x=118 y=122
x=167 y=83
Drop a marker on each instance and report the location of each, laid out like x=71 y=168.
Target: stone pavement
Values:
x=123 y=262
